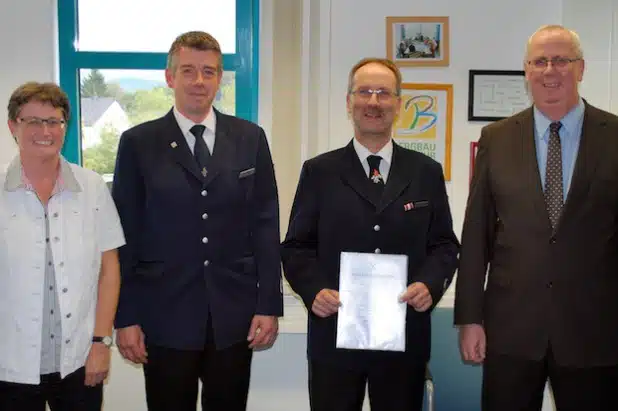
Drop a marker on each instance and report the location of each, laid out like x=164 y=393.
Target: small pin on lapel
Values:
x=173 y=144
x=204 y=172
x=408 y=206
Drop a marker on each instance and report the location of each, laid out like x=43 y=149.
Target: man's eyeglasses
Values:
x=364 y=94
x=37 y=123
x=560 y=63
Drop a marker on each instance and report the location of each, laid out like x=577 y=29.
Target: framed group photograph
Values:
x=496 y=94
x=418 y=41
x=425 y=121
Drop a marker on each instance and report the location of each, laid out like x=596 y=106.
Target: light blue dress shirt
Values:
x=570 y=136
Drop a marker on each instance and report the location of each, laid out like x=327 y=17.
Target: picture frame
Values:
x=418 y=41
x=474 y=148
x=496 y=94
x=425 y=121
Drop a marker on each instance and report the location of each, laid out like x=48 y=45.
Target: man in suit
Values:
x=372 y=196
x=543 y=215
x=201 y=279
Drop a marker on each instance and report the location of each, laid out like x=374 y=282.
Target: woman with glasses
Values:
x=59 y=275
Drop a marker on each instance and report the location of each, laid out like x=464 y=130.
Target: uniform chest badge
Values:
x=376 y=177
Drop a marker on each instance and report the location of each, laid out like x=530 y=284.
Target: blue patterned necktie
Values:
x=554 y=195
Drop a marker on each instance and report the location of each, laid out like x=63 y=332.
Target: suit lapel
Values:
x=531 y=165
x=585 y=164
x=590 y=145
x=176 y=145
x=353 y=174
x=224 y=150
x=398 y=178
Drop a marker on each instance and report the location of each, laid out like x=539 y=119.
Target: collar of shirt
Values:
x=210 y=122
x=386 y=153
x=16 y=177
x=571 y=123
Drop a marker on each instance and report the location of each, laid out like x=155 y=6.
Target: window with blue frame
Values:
x=112 y=61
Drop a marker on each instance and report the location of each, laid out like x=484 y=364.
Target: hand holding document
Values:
x=371 y=316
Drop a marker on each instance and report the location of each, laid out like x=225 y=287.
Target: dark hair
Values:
x=47 y=93
x=197 y=40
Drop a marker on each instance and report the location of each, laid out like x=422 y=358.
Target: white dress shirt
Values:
x=210 y=122
x=83 y=223
x=386 y=153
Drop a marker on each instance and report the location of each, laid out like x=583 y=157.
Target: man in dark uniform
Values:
x=201 y=279
x=371 y=196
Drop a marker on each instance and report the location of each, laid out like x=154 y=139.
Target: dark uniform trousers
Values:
x=66 y=394
x=172 y=377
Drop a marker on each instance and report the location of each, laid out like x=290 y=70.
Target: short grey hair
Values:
x=577 y=47
x=389 y=64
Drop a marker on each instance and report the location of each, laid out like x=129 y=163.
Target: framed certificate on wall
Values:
x=496 y=94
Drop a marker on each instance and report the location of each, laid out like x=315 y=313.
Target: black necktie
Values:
x=374 y=171
x=553 y=175
x=200 y=151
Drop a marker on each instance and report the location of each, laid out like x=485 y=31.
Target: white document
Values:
x=371 y=316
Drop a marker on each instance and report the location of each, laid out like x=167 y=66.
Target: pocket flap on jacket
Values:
x=247 y=172
x=149 y=269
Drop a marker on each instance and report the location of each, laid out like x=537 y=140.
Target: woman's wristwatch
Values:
x=107 y=340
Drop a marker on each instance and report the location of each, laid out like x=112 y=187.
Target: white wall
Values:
x=27 y=47
x=595 y=23
x=337 y=33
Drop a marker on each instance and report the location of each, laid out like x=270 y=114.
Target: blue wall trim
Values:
x=247 y=32
x=457 y=385
x=69 y=81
